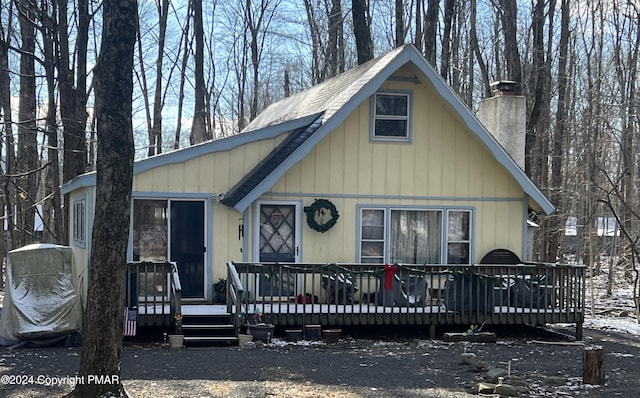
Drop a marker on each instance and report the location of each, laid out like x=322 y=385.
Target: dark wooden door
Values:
x=188 y=247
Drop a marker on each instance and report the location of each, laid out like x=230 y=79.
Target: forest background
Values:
x=204 y=69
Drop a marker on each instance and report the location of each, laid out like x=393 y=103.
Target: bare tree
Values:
x=27 y=160
x=557 y=173
x=73 y=94
x=626 y=66
x=419 y=33
x=362 y=30
x=199 y=131
x=509 y=17
x=183 y=73
x=258 y=19
x=486 y=89
x=400 y=28
x=336 y=39
x=445 y=57
x=8 y=190
x=102 y=334
x=430 y=31
x=52 y=206
x=156 y=130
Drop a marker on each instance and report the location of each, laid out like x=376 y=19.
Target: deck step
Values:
x=210 y=339
x=208 y=326
x=205 y=328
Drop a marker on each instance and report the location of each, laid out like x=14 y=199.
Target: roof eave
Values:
x=408 y=54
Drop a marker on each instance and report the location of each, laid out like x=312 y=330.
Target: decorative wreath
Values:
x=324 y=209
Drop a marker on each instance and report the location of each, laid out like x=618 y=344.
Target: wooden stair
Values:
x=201 y=329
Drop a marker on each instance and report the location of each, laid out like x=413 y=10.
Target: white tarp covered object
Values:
x=42 y=297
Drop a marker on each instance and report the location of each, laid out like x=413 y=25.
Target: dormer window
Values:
x=391 y=116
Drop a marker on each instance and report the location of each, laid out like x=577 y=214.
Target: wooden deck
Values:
x=294 y=295
x=360 y=294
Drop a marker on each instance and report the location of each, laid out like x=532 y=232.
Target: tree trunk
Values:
x=145 y=95
x=430 y=31
x=102 y=339
x=52 y=207
x=486 y=88
x=6 y=199
x=183 y=73
x=199 y=131
x=509 y=19
x=400 y=32
x=314 y=32
x=27 y=160
x=336 y=45
x=556 y=227
x=362 y=30
x=254 y=26
x=73 y=97
x=593 y=371
x=445 y=58
x=156 y=130
x=418 y=39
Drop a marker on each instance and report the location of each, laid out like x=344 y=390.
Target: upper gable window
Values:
x=391 y=113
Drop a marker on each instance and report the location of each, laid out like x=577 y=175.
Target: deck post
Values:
x=579 y=331
x=432 y=331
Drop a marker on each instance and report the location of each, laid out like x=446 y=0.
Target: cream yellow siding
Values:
x=443 y=166
x=210 y=173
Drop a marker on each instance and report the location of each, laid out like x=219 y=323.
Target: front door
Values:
x=278 y=242
x=187 y=246
x=172 y=230
x=278 y=233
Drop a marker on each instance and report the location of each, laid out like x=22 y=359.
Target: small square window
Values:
x=391 y=116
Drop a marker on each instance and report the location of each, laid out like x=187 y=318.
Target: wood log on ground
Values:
x=593 y=365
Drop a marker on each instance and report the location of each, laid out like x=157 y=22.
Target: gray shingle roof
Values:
x=328 y=96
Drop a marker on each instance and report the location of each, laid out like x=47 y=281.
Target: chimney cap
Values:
x=504 y=87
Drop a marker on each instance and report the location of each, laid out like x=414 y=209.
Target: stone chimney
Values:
x=504 y=115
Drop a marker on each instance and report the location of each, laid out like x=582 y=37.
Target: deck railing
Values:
x=154 y=288
x=288 y=294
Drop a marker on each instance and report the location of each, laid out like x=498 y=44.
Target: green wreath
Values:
x=322 y=215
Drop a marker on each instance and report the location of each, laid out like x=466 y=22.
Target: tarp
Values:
x=42 y=297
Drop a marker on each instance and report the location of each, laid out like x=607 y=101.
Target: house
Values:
x=381 y=164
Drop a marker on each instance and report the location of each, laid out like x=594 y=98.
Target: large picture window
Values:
x=415 y=236
x=391 y=116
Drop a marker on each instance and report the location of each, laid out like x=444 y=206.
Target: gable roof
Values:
x=335 y=99
x=308 y=116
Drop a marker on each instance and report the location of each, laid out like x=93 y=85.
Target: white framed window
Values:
x=414 y=236
x=79 y=221
x=372 y=232
x=458 y=236
x=391 y=116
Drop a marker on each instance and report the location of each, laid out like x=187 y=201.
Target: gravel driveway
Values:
x=365 y=366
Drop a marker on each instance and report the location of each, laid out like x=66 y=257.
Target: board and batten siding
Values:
x=444 y=165
x=211 y=174
x=214 y=172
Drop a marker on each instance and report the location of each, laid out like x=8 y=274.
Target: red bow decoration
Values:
x=389 y=272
